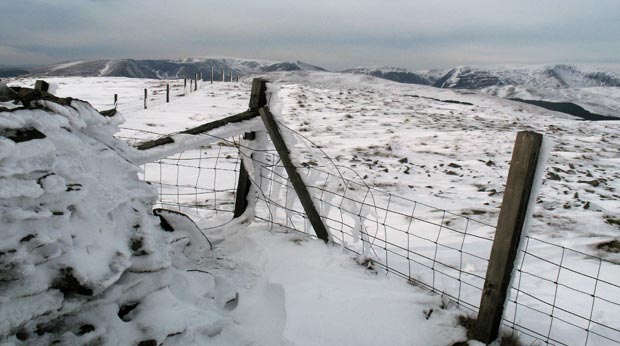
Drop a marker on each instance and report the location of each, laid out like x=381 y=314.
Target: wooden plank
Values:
x=247 y=115
x=296 y=180
x=508 y=234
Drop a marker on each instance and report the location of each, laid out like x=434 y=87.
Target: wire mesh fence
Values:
x=559 y=296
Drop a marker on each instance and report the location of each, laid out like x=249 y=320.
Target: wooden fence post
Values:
x=258 y=99
x=196 y=82
x=243 y=184
x=223 y=75
x=115 y=100
x=211 y=74
x=184 y=83
x=191 y=85
x=508 y=234
x=167 y=93
x=145 y=95
x=298 y=184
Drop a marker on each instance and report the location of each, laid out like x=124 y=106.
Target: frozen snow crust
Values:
x=83 y=260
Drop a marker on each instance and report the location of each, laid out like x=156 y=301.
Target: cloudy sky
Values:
x=332 y=33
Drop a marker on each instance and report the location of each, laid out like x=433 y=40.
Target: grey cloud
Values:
x=335 y=34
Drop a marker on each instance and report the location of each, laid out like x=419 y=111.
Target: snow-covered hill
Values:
x=395 y=74
x=535 y=76
x=161 y=69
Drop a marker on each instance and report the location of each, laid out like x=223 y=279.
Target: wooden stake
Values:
x=296 y=180
x=258 y=99
x=167 y=93
x=145 y=95
x=211 y=74
x=508 y=234
x=115 y=100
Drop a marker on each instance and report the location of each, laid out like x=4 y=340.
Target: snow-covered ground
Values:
x=407 y=140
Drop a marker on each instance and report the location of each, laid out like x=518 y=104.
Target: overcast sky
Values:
x=331 y=33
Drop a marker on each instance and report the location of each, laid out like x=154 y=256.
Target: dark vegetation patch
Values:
x=567 y=108
x=612 y=246
x=12 y=72
x=444 y=101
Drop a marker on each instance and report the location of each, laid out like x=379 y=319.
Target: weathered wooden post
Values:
x=41 y=85
x=211 y=74
x=191 y=85
x=278 y=142
x=243 y=183
x=167 y=93
x=196 y=82
x=115 y=100
x=258 y=99
x=508 y=234
x=223 y=75
x=145 y=95
x=184 y=83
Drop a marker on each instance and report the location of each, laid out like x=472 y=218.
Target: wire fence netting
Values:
x=559 y=296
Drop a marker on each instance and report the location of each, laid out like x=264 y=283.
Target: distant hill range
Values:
x=395 y=74
x=593 y=89
x=162 y=69
x=466 y=77
x=587 y=92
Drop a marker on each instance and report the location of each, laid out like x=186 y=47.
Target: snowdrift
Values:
x=83 y=260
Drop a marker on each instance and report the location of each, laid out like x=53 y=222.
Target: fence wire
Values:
x=559 y=296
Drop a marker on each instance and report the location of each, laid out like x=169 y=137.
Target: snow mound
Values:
x=83 y=260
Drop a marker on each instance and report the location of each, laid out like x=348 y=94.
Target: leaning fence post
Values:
x=145 y=95
x=298 y=184
x=167 y=93
x=508 y=234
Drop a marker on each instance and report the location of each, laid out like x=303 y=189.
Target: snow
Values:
x=272 y=288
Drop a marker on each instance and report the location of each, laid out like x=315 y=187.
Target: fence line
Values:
x=559 y=296
x=166 y=92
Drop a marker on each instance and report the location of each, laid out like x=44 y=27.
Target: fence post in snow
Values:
x=211 y=74
x=223 y=75
x=231 y=75
x=508 y=233
x=167 y=93
x=298 y=184
x=145 y=95
x=196 y=82
x=115 y=100
x=258 y=99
